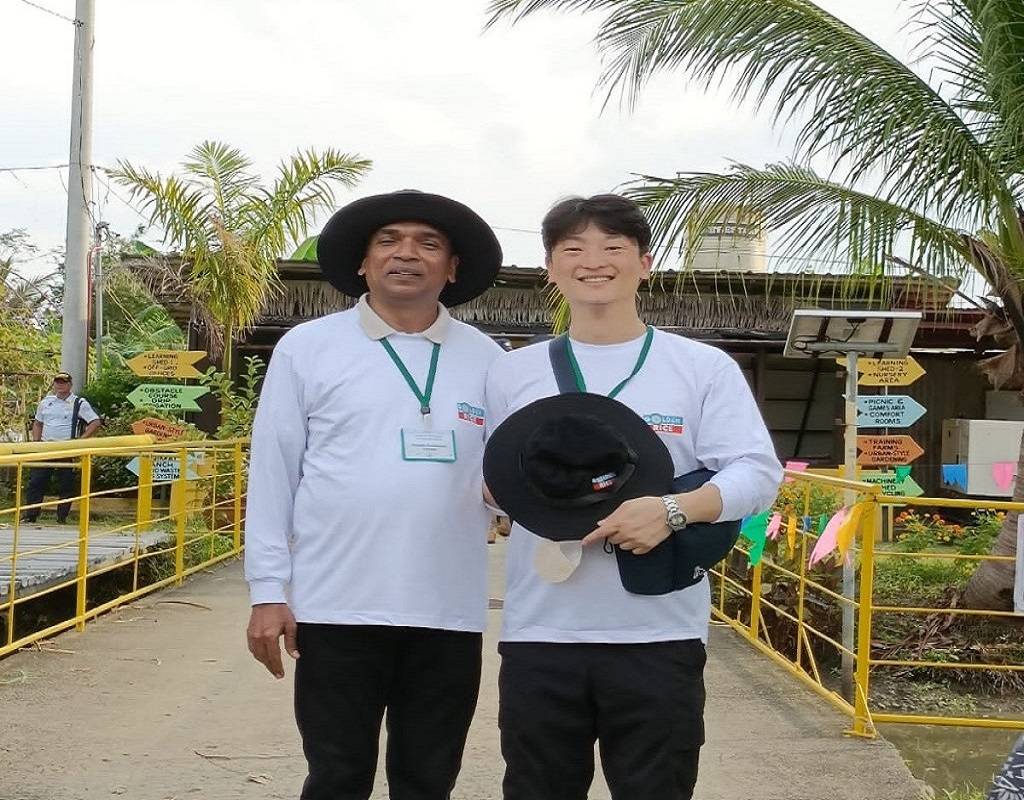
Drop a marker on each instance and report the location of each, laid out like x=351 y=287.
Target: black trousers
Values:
x=642 y=703
x=39 y=480
x=345 y=678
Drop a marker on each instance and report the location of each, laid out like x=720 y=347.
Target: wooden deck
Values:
x=48 y=554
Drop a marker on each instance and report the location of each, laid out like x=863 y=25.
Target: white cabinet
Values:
x=982 y=445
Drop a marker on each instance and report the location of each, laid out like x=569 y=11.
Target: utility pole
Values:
x=75 y=313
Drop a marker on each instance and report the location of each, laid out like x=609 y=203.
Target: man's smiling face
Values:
x=408 y=262
x=594 y=267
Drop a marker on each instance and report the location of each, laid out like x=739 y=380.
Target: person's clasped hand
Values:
x=637 y=525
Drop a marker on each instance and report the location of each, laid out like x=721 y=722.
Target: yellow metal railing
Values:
x=181 y=512
x=785 y=596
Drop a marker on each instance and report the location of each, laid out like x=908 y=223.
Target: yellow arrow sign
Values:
x=167 y=363
x=888 y=371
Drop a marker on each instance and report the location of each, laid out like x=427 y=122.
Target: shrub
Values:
x=793 y=499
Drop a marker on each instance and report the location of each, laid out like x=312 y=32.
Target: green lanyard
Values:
x=424 y=396
x=581 y=384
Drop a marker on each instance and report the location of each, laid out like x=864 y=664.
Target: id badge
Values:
x=428 y=445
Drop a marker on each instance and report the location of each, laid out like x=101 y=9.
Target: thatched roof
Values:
x=746 y=304
x=513 y=308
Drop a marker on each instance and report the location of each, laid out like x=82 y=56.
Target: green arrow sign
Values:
x=893 y=483
x=167 y=396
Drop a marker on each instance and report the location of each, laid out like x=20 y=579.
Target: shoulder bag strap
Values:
x=558 y=352
x=74 y=417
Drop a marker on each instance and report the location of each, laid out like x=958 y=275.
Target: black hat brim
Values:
x=503 y=459
x=341 y=246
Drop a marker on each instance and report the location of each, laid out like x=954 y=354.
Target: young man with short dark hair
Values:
x=365 y=529
x=583 y=660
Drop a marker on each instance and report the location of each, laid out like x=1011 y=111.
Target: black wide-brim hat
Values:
x=341 y=246
x=580 y=432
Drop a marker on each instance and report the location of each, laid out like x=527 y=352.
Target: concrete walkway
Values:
x=161 y=701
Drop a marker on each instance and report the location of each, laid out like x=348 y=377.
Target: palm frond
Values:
x=225 y=171
x=812 y=215
x=978 y=47
x=171 y=204
x=855 y=100
x=305 y=185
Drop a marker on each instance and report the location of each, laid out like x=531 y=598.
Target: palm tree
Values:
x=229 y=230
x=927 y=173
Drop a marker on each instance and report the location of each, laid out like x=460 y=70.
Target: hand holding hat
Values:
x=637 y=525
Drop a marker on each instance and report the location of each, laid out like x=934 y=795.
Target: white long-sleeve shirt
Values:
x=338 y=524
x=697 y=400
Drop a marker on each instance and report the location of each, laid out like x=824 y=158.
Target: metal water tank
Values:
x=736 y=243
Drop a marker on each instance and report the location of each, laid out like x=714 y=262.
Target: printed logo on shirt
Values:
x=602 y=482
x=663 y=423
x=471 y=414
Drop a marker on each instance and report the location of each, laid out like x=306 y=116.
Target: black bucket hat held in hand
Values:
x=341 y=245
x=563 y=463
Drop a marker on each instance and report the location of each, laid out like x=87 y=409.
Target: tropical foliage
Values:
x=924 y=164
x=229 y=229
x=29 y=333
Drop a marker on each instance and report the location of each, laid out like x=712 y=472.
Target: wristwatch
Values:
x=674 y=515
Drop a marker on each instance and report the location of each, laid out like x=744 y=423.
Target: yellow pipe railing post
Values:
x=143 y=509
x=801 y=589
x=16 y=528
x=182 y=502
x=238 y=497
x=214 y=527
x=755 y=602
x=862 y=725
x=83 y=541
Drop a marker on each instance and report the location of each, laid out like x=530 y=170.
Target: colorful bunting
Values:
x=1003 y=473
x=791 y=534
x=754 y=529
x=902 y=473
x=847 y=532
x=955 y=475
x=828 y=540
x=774 y=524
x=796 y=466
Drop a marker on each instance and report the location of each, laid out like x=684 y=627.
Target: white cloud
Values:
x=507 y=121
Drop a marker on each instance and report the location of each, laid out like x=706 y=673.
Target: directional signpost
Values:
x=168 y=468
x=888 y=411
x=167 y=363
x=887 y=450
x=888 y=371
x=159 y=429
x=167 y=397
x=893 y=483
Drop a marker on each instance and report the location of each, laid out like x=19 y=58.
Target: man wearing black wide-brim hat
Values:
x=365 y=526
x=626 y=456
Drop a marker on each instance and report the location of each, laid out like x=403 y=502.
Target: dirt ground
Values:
x=161 y=701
